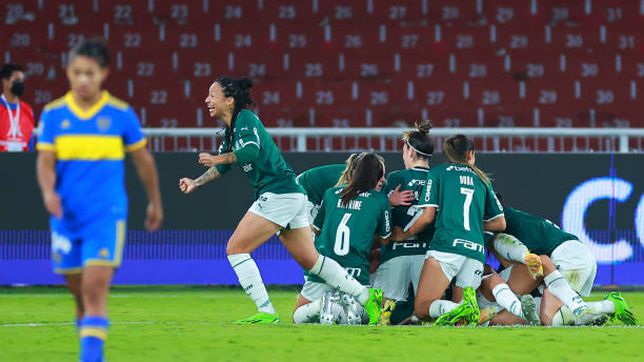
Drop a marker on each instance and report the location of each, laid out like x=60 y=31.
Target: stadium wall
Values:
x=599 y=197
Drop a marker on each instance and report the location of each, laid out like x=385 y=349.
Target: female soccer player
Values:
x=467 y=204
x=280 y=204
x=81 y=173
x=349 y=218
x=569 y=268
x=317 y=180
x=402 y=260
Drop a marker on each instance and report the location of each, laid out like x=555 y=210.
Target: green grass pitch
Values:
x=194 y=324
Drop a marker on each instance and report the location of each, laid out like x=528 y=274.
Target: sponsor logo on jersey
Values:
x=470 y=245
x=248 y=167
x=459 y=168
x=415 y=182
x=407 y=245
x=428 y=190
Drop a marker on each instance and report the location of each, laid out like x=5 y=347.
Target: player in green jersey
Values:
x=317 y=180
x=280 y=202
x=349 y=218
x=402 y=260
x=460 y=198
x=569 y=268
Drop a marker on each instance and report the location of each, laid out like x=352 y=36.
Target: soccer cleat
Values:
x=529 y=308
x=385 y=314
x=457 y=314
x=584 y=316
x=260 y=318
x=469 y=298
x=372 y=305
x=326 y=312
x=467 y=312
x=487 y=314
x=352 y=309
x=533 y=262
x=622 y=311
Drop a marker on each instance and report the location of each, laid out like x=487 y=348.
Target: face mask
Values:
x=18 y=88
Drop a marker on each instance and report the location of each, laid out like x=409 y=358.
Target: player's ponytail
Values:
x=239 y=89
x=456 y=149
x=369 y=169
x=420 y=140
x=349 y=167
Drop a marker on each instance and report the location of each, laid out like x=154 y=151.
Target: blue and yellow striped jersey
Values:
x=90 y=147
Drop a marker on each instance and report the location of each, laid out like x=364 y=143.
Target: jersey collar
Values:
x=420 y=168
x=92 y=111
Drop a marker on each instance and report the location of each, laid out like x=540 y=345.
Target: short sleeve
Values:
x=319 y=218
x=493 y=207
x=429 y=194
x=46 y=140
x=393 y=180
x=384 y=221
x=133 y=137
x=246 y=129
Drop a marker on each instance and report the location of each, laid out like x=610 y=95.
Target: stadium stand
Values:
x=475 y=63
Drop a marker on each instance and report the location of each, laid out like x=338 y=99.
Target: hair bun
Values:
x=423 y=126
x=245 y=83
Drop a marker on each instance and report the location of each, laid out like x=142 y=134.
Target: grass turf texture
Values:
x=195 y=324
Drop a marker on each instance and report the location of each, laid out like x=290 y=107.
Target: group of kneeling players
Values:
x=422 y=235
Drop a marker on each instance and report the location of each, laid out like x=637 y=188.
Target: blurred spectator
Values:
x=16 y=116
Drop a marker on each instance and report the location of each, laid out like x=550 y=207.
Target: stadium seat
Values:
x=484 y=63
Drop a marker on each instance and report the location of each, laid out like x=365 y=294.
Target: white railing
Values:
x=621 y=140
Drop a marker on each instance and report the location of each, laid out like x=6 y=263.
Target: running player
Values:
x=280 y=202
x=402 y=260
x=80 y=170
x=349 y=218
x=569 y=260
x=459 y=196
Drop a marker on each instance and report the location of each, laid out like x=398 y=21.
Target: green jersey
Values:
x=269 y=172
x=463 y=202
x=319 y=179
x=347 y=230
x=413 y=179
x=539 y=235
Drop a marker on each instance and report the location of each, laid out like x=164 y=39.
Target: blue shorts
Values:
x=99 y=242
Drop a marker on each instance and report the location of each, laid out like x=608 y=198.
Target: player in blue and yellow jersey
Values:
x=80 y=167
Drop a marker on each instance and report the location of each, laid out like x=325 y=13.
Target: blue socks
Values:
x=93 y=331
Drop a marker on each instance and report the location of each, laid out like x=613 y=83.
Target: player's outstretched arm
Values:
x=188 y=185
x=46 y=173
x=147 y=170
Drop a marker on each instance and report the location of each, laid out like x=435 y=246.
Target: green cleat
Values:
x=469 y=298
x=622 y=311
x=260 y=318
x=372 y=305
x=460 y=313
